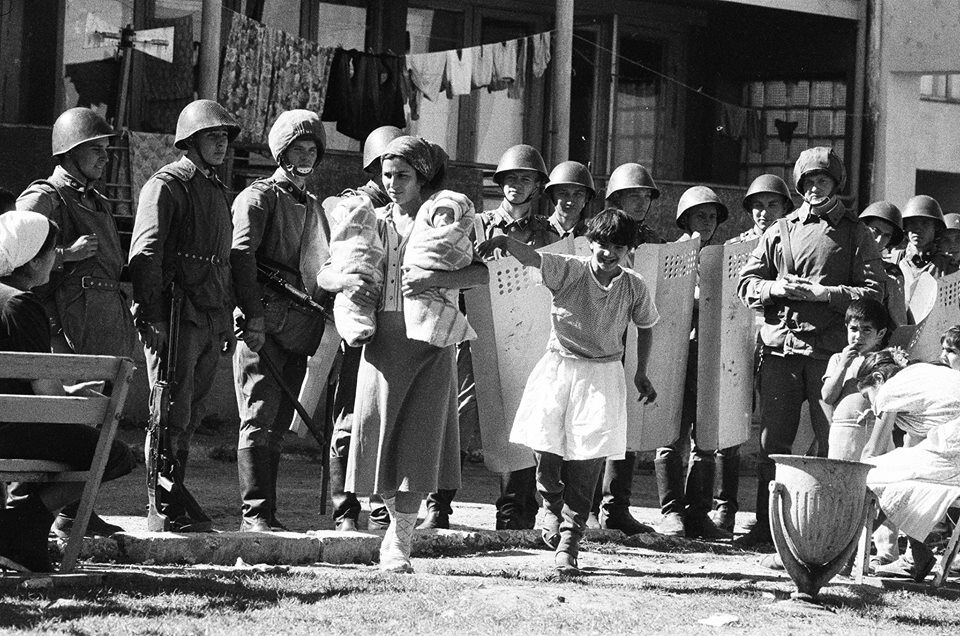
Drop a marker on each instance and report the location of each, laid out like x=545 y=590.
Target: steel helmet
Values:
x=889 y=213
x=952 y=221
x=923 y=206
x=77 y=126
x=521 y=157
x=571 y=173
x=816 y=159
x=376 y=142
x=290 y=126
x=767 y=184
x=203 y=114
x=698 y=195
x=631 y=175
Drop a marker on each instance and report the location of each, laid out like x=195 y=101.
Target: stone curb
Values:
x=327 y=546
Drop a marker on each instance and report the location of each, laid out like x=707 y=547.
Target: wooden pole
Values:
x=562 y=78
x=210 y=49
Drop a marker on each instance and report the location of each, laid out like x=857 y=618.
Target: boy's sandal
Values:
x=550 y=537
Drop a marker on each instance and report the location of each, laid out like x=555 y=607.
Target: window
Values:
x=806 y=113
x=636 y=110
x=941 y=88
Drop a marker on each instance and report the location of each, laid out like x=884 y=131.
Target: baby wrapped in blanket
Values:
x=356 y=248
x=439 y=241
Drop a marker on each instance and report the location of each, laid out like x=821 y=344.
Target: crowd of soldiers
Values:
x=200 y=267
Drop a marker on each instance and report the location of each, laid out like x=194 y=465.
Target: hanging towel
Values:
x=515 y=89
x=505 y=62
x=541 y=53
x=459 y=72
x=482 y=65
x=426 y=72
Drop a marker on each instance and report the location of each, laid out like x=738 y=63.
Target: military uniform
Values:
x=83 y=298
x=283 y=227
x=182 y=235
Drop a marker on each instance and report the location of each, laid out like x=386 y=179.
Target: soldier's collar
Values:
x=504 y=219
x=283 y=182
x=61 y=175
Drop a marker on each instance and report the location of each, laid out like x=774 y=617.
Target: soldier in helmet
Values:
x=279 y=225
x=570 y=188
x=922 y=225
x=767 y=200
x=803 y=281
x=685 y=507
x=633 y=190
x=949 y=242
x=181 y=242
x=346 y=505
x=885 y=223
x=520 y=173
x=88 y=312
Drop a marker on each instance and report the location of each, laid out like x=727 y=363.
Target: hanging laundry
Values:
x=365 y=92
x=505 y=63
x=148 y=153
x=96 y=83
x=515 y=90
x=733 y=121
x=756 y=131
x=541 y=53
x=482 y=65
x=267 y=71
x=459 y=72
x=426 y=72
x=411 y=95
x=168 y=87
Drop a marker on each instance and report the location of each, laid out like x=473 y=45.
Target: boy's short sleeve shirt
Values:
x=588 y=320
x=850 y=376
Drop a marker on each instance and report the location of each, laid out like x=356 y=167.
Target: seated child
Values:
x=868 y=330
x=573 y=410
x=440 y=240
x=885 y=223
x=356 y=248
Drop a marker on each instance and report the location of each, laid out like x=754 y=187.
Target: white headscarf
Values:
x=22 y=234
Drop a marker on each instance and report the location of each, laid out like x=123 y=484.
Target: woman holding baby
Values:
x=405 y=439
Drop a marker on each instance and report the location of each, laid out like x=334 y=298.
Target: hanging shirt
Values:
x=482 y=65
x=459 y=72
x=541 y=53
x=426 y=71
x=505 y=61
x=365 y=92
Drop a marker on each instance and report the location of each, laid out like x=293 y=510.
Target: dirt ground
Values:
x=692 y=589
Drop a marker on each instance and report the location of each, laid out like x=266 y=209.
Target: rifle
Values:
x=170 y=506
x=318 y=434
x=271 y=278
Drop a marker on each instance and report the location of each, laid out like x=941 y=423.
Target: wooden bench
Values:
x=98 y=410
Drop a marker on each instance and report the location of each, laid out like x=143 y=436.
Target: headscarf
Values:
x=428 y=159
x=22 y=234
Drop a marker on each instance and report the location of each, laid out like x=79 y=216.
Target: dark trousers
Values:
x=696 y=495
x=265 y=411
x=567 y=489
x=786 y=382
x=72 y=444
x=728 y=486
x=198 y=350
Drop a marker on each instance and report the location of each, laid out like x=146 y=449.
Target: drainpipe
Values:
x=858 y=120
x=210 y=49
x=562 y=79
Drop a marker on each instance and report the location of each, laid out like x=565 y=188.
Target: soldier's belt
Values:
x=105 y=284
x=201 y=258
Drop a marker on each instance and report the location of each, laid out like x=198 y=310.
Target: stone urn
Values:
x=818 y=507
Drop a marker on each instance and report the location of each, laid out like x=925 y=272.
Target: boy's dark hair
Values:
x=951 y=337
x=8 y=200
x=613 y=227
x=872 y=312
